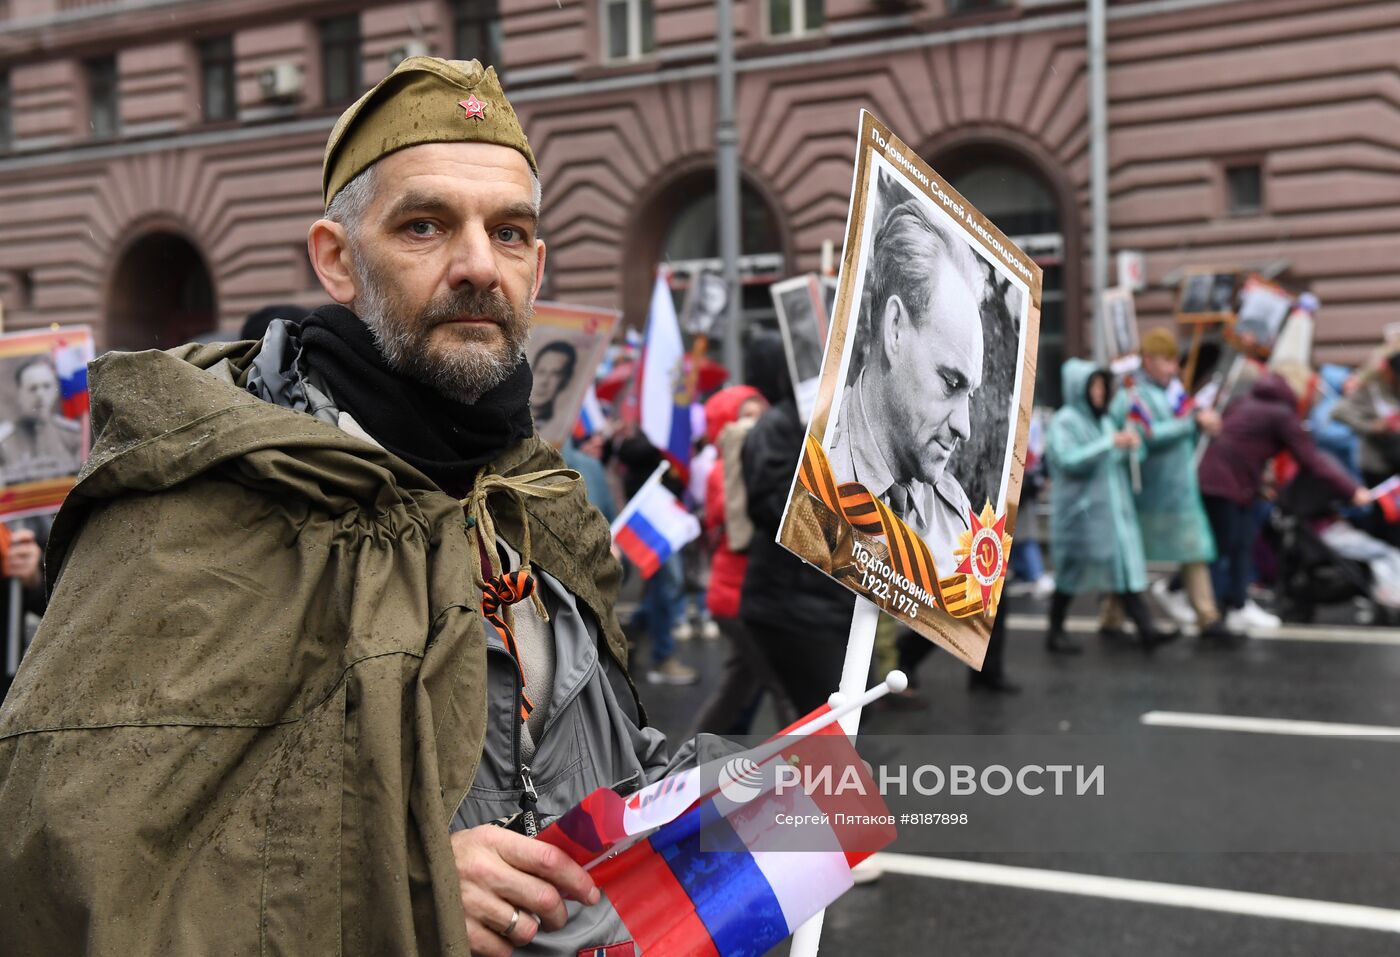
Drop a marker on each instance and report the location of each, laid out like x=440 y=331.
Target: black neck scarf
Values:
x=446 y=440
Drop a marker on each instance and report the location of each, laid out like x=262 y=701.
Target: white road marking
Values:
x=1244 y=903
x=1227 y=722
x=1336 y=634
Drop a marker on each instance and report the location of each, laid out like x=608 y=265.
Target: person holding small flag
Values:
x=1095 y=541
x=1256 y=427
x=1170 y=513
x=332 y=631
x=1372 y=410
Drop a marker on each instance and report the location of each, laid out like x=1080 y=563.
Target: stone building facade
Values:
x=159 y=159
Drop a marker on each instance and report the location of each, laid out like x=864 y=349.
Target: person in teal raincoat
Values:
x=1173 y=520
x=1095 y=542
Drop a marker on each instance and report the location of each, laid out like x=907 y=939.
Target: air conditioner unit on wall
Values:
x=281 y=81
x=397 y=55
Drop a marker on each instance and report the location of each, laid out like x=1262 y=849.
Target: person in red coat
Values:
x=729 y=414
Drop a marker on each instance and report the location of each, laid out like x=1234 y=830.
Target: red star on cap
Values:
x=476 y=110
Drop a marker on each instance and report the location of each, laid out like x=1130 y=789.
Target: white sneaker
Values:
x=1174 y=603
x=1044 y=586
x=1239 y=622
x=683 y=631
x=866 y=871
x=1260 y=618
x=709 y=630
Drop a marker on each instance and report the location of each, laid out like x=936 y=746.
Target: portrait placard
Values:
x=706 y=305
x=1120 y=329
x=566 y=345
x=1207 y=296
x=45 y=435
x=910 y=477
x=1264 y=306
x=802 y=317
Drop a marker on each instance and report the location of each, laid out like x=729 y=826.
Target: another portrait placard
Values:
x=1264 y=306
x=908 y=486
x=566 y=345
x=706 y=305
x=45 y=434
x=1207 y=296
x=1120 y=329
x=802 y=317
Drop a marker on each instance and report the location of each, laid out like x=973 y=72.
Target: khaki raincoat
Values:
x=258 y=695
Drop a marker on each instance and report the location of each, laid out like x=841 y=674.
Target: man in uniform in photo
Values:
x=907 y=408
x=39 y=443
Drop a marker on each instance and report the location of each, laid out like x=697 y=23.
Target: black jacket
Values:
x=781 y=592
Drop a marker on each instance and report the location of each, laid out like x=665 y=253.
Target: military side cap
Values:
x=1160 y=342
x=425 y=100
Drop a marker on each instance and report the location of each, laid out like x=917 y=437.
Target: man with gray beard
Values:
x=332 y=631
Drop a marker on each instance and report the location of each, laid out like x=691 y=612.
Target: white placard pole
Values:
x=860 y=647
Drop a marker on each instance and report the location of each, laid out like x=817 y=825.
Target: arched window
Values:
x=162 y=295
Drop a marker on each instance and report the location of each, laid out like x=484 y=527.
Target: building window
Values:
x=629 y=29
x=476 y=31
x=1244 y=189
x=6 y=117
x=974 y=6
x=217 y=95
x=340 y=60
x=103 y=118
x=790 y=18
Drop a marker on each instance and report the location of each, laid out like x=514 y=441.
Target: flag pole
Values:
x=860 y=647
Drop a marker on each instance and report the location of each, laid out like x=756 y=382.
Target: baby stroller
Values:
x=1314 y=567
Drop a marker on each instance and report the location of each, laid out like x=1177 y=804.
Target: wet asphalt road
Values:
x=1319 y=676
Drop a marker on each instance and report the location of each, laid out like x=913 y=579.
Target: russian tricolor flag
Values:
x=71 y=362
x=590 y=416
x=654 y=525
x=1387 y=497
x=1181 y=401
x=721 y=877
x=1137 y=412
x=665 y=421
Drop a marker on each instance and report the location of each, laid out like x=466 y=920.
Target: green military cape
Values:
x=258 y=694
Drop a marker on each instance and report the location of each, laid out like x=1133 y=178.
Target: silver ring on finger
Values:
x=514 y=919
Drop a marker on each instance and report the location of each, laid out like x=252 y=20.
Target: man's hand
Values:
x=1127 y=439
x=500 y=873
x=1209 y=421
x=23 y=560
x=1361 y=498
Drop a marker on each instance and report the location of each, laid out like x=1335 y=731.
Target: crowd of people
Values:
x=1221 y=499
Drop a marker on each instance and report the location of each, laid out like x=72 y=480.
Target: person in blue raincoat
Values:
x=1173 y=520
x=1095 y=542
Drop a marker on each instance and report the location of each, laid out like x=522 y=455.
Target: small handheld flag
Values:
x=1138 y=414
x=708 y=870
x=70 y=362
x=654 y=525
x=590 y=416
x=1182 y=402
x=1387 y=497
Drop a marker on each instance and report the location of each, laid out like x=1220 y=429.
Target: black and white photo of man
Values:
x=906 y=409
x=706 y=305
x=553 y=370
x=38 y=443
